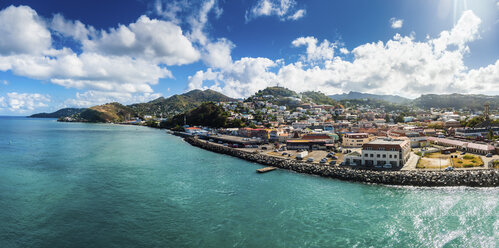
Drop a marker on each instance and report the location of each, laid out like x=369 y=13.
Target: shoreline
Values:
x=475 y=178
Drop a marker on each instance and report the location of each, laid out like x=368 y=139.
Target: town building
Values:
x=355 y=139
x=463 y=145
x=386 y=151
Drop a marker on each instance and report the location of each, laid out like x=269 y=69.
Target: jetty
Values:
x=266 y=169
x=472 y=178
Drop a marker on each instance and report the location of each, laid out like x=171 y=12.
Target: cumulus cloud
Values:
x=315 y=51
x=74 y=29
x=151 y=39
x=280 y=8
x=121 y=63
x=396 y=23
x=239 y=79
x=92 y=98
x=401 y=65
x=22 y=102
x=22 y=32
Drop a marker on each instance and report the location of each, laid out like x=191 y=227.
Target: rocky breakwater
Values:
x=473 y=178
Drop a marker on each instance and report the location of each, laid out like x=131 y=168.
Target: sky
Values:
x=57 y=53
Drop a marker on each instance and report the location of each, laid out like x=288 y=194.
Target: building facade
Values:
x=355 y=140
x=386 y=151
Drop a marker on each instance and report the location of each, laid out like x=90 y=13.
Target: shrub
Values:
x=467 y=165
x=468 y=157
x=459 y=162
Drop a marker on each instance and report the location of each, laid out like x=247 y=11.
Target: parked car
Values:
x=220 y=142
x=264 y=148
x=323 y=161
x=334 y=157
x=450 y=168
x=462 y=153
x=284 y=154
x=489 y=155
x=377 y=166
x=332 y=163
x=211 y=140
x=387 y=166
x=342 y=163
x=275 y=150
x=310 y=160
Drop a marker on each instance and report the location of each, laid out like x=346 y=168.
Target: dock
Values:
x=266 y=169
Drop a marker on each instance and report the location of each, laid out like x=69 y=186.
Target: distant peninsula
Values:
x=65 y=112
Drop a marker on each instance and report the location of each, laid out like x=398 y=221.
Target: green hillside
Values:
x=456 y=101
x=65 y=112
x=178 y=103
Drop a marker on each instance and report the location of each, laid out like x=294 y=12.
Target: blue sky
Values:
x=56 y=54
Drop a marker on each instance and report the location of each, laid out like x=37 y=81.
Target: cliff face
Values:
x=477 y=178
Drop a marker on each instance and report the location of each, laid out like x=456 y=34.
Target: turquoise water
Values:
x=100 y=185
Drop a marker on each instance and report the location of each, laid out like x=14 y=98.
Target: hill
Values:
x=65 y=112
x=109 y=112
x=178 y=103
x=358 y=95
x=317 y=98
x=456 y=101
x=207 y=114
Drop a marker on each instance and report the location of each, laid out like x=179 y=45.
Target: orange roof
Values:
x=192 y=128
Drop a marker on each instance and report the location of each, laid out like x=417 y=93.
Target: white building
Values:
x=386 y=151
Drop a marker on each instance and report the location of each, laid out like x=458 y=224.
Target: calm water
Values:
x=98 y=185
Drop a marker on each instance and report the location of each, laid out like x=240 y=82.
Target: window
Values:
x=384 y=155
x=371 y=155
x=390 y=156
x=377 y=155
x=394 y=156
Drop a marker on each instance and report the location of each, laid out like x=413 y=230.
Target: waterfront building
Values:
x=386 y=151
x=463 y=145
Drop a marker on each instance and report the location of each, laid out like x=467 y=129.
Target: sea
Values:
x=106 y=185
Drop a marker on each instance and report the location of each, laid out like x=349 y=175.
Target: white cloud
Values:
x=396 y=23
x=217 y=54
x=92 y=98
x=151 y=39
x=297 y=15
x=279 y=8
x=22 y=102
x=400 y=66
x=170 y=10
x=344 y=50
x=239 y=79
x=88 y=71
x=74 y=29
x=22 y=32
x=5 y=82
x=121 y=62
x=322 y=51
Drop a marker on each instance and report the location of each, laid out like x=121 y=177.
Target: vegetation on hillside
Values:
x=456 y=101
x=65 y=112
x=207 y=114
x=178 y=103
x=317 y=98
x=358 y=95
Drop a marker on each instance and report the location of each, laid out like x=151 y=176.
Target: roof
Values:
x=386 y=142
x=193 y=128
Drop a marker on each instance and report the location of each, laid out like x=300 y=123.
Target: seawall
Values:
x=472 y=178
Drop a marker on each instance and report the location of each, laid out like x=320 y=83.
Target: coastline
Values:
x=476 y=178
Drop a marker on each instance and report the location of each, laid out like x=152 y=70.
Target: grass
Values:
x=467 y=161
